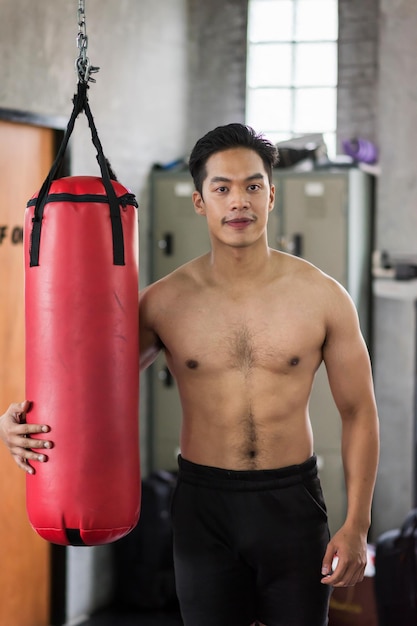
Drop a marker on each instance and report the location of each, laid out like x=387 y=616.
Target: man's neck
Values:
x=239 y=266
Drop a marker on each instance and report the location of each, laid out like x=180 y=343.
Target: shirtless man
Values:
x=244 y=329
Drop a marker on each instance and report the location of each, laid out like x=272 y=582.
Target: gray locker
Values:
x=325 y=217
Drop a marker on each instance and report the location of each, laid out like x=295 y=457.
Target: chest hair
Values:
x=242 y=350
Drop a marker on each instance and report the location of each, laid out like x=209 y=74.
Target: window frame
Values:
x=284 y=132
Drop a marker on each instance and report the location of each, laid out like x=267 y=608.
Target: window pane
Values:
x=315 y=64
x=330 y=141
x=269 y=109
x=276 y=137
x=269 y=65
x=316 y=20
x=315 y=110
x=292 y=68
x=270 y=20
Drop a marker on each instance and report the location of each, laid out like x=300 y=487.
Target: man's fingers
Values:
x=24 y=465
x=28 y=454
x=326 y=568
x=15 y=421
x=345 y=575
x=26 y=449
x=21 y=436
x=31 y=429
x=22 y=439
x=18 y=411
x=23 y=461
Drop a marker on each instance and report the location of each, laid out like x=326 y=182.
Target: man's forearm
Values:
x=360 y=454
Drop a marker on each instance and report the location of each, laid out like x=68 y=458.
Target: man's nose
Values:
x=239 y=199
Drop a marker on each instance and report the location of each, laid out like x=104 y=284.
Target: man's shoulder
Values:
x=173 y=284
x=297 y=267
x=303 y=274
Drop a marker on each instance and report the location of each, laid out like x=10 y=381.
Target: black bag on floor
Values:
x=396 y=574
x=144 y=565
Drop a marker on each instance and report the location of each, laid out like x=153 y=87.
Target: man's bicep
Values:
x=347 y=361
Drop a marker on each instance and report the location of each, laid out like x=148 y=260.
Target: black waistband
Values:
x=245 y=480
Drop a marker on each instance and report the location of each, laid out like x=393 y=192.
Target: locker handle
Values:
x=166 y=377
x=166 y=244
x=297 y=244
x=292 y=245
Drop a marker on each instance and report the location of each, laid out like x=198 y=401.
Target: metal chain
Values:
x=82 y=64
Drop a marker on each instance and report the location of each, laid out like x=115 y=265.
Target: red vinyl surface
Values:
x=82 y=368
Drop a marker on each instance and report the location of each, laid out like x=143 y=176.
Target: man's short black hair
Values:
x=225 y=137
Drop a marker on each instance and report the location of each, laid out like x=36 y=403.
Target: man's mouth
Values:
x=239 y=222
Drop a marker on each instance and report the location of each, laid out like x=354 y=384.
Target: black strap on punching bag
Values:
x=80 y=101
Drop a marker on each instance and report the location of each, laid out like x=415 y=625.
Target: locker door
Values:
x=315 y=210
x=178 y=233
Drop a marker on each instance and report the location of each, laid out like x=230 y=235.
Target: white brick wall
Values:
x=357 y=67
x=217 y=62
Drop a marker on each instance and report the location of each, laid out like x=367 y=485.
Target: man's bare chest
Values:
x=242 y=336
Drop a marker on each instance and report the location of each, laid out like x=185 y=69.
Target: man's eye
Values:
x=254 y=187
x=221 y=189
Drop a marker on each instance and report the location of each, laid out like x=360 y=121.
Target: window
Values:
x=292 y=68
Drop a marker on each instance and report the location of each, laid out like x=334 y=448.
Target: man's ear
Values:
x=271 y=198
x=198 y=203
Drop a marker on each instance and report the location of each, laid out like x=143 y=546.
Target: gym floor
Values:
x=117 y=618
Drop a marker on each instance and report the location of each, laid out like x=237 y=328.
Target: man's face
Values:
x=236 y=197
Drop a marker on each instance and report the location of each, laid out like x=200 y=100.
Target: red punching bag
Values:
x=82 y=352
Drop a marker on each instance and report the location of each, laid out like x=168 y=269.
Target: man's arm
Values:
x=149 y=343
x=349 y=371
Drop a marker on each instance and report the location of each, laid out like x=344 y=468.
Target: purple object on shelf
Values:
x=361 y=150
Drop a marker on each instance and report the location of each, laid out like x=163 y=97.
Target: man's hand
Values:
x=349 y=548
x=16 y=434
